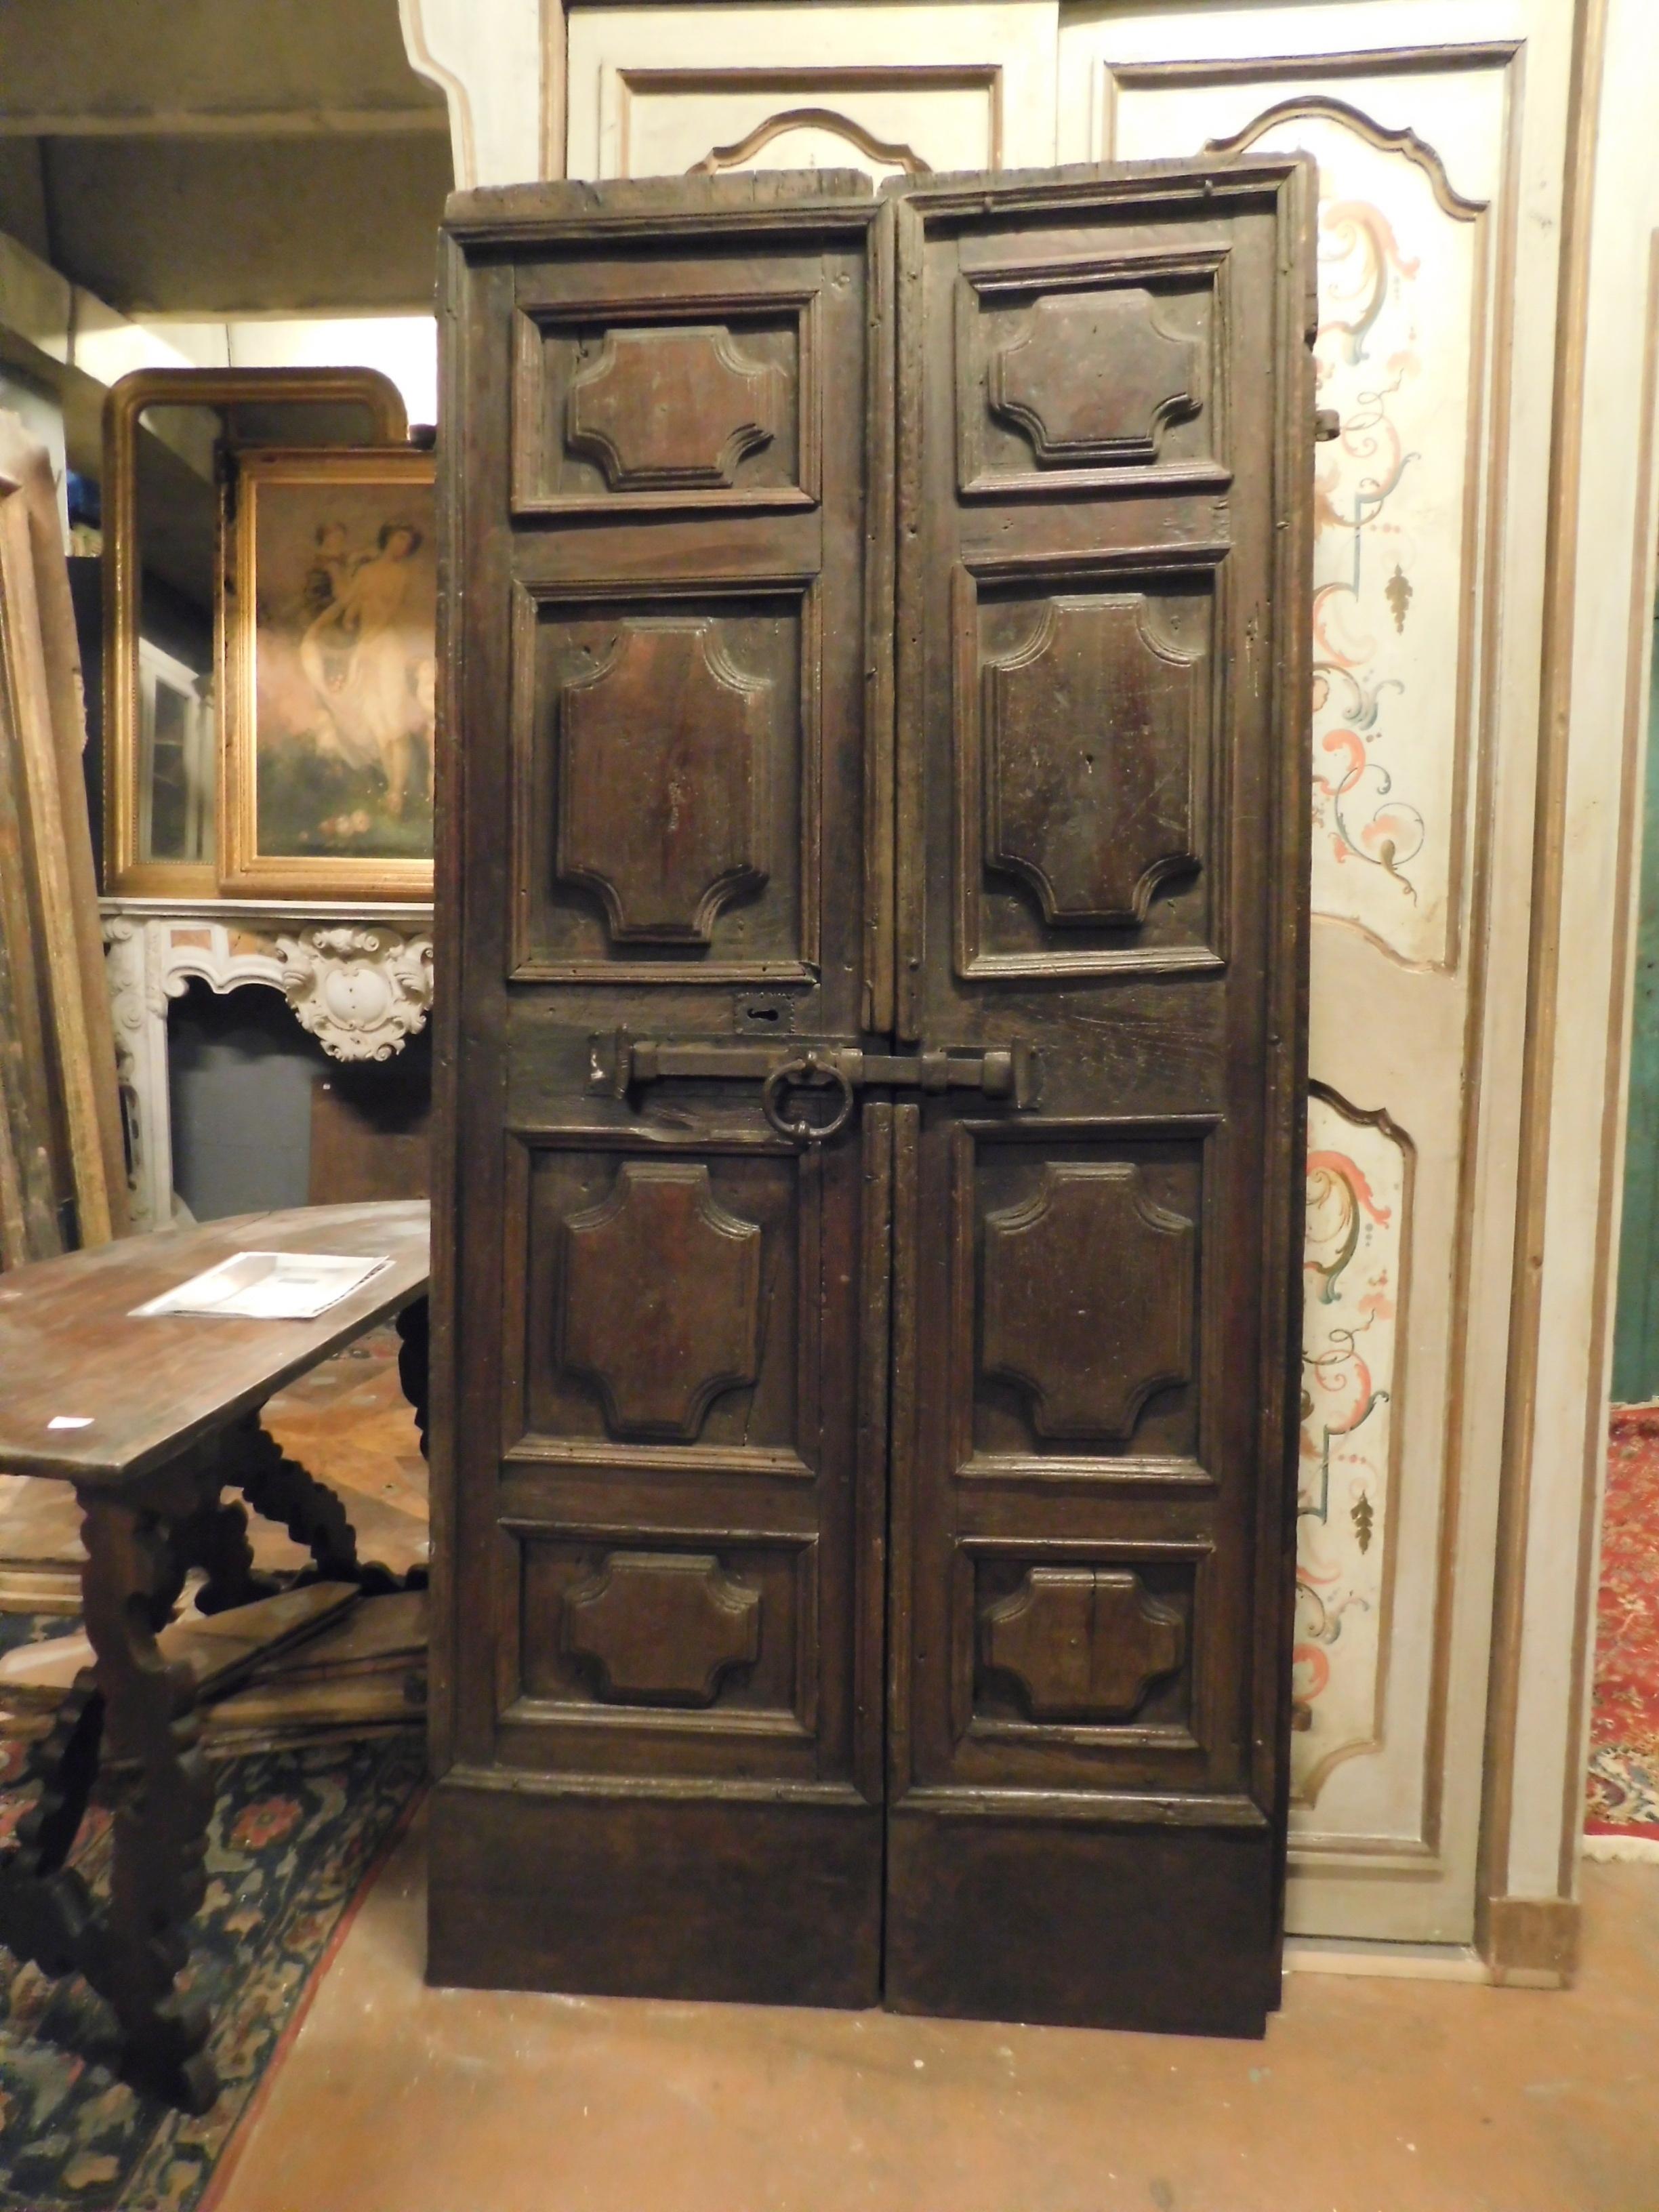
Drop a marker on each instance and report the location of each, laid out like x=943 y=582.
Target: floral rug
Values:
x=293 y=1838
x=1624 y=1762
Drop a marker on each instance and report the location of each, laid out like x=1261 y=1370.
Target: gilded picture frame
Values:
x=328 y=624
x=130 y=872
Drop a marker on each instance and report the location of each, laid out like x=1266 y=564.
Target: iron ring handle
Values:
x=806 y=1069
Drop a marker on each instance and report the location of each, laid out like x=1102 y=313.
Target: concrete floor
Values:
x=1368 y=2095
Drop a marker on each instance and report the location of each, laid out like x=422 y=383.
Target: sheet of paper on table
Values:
x=268 y=1286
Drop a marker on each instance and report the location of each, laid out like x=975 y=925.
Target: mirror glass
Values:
x=181 y=474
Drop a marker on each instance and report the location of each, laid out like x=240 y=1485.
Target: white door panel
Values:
x=1425 y=123
x=656 y=92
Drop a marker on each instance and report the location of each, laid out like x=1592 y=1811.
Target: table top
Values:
x=71 y=1347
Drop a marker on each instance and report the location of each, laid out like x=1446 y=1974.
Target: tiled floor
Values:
x=1367 y=2096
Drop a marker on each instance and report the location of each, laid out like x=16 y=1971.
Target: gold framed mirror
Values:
x=171 y=437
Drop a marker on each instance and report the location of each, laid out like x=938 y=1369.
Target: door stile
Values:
x=470 y=1060
x=1289 y=983
x=880 y=793
x=903 y=1445
x=871 y=1534
x=909 y=855
x=449 y=810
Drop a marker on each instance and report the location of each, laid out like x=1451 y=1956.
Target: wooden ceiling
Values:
x=222 y=157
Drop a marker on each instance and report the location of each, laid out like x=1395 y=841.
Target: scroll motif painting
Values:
x=329 y=623
x=1398 y=357
x=1359 y=1194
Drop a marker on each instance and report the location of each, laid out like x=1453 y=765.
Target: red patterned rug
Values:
x=1624 y=1760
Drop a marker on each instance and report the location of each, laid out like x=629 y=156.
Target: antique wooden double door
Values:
x=872 y=975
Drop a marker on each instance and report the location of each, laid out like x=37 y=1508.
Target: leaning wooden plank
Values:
x=360 y=1700
x=25 y=462
x=36 y=1185
x=219 y=1648
x=47 y=809
x=27 y=1588
x=242 y=1743
x=378 y=1636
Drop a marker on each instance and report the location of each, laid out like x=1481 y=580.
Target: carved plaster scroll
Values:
x=138 y=1012
x=362 y=992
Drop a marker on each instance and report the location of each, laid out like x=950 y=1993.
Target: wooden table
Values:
x=167 y=1412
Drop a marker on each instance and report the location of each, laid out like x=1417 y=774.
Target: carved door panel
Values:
x=1103 y=493
x=751 y=1032
x=661 y=1725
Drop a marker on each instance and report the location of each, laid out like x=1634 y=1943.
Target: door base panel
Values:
x=1081 y=1923
x=607 y=1895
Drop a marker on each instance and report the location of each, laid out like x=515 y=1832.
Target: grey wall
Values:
x=242 y=1070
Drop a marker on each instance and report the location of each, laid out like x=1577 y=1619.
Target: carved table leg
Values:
x=414 y=1335
x=163 y=1796
x=282 y=1489
x=215 y=1538
x=413 y=1368
x=130 y=1720
x=46 y=1907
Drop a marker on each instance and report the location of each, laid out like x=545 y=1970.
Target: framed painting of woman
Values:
x=328 y=614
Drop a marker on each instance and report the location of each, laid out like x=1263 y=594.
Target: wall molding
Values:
x=1543 y=980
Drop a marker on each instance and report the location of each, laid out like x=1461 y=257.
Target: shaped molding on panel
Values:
x=661 y=1627
x=1085 y=373
x=1093 y=380
x=1092 y=734
x=1087 y=1299
x=660 y=1305
x=810 y=125
x=669 y=720
x=1083 y=1643
x=673 y=407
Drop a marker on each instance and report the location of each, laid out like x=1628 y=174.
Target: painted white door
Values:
x=885 y=88
x=1439 y=131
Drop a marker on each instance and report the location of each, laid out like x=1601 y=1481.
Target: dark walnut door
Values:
x=663 y=1333
x=1103 y=473
x=865 y=1239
